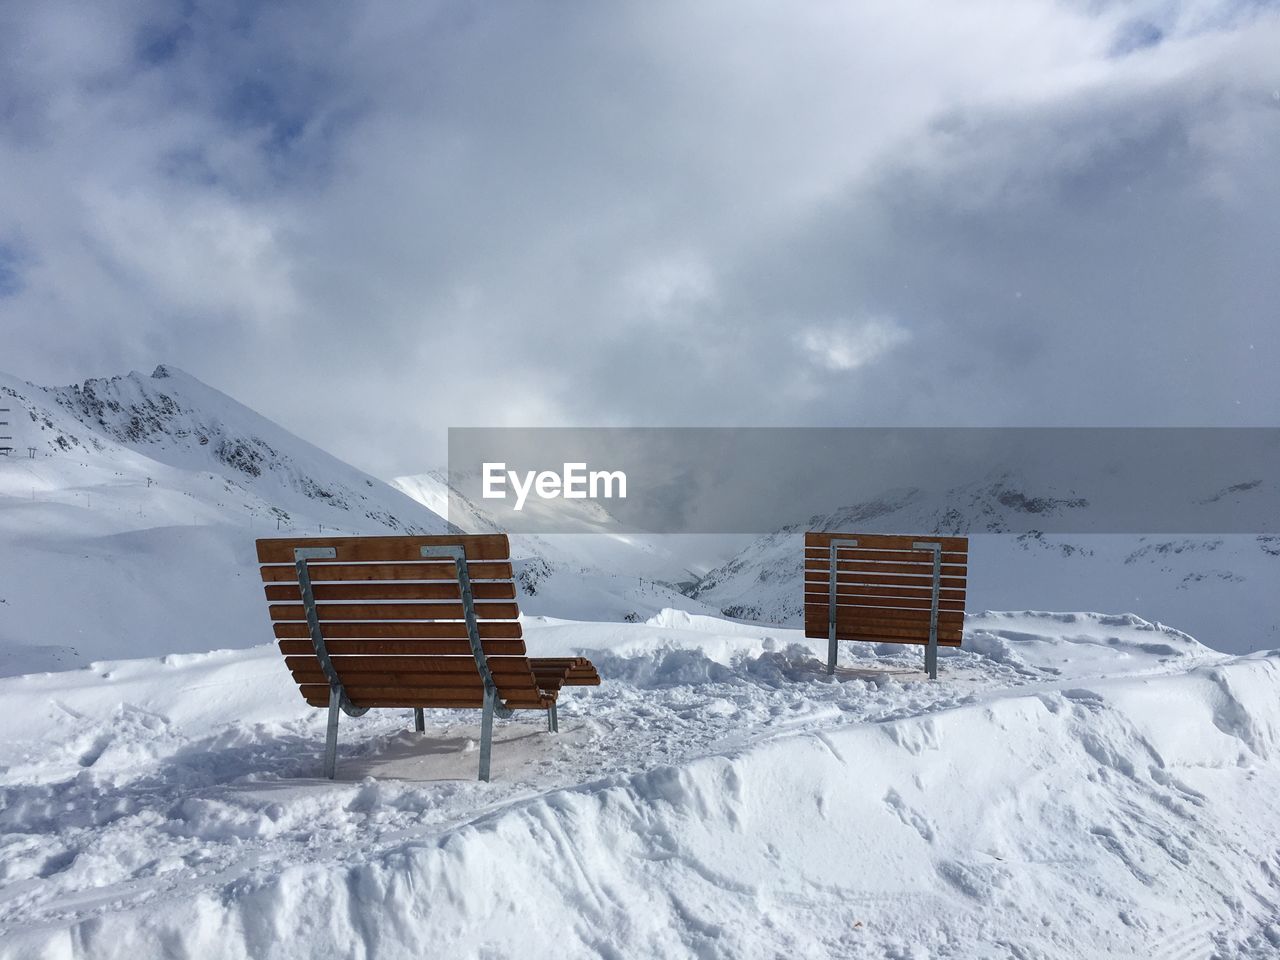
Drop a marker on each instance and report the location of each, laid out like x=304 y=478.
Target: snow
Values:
x=1073 y=785
x=1101 y=786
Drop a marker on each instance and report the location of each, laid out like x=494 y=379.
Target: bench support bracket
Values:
x=337 y=695
x=931 y=651
x=833 y=647
x=492 y=705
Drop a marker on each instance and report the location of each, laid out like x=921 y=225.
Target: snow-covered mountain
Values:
x=131 y=529
x=173 y=419
x=1210 y=585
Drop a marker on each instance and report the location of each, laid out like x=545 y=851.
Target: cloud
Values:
x=461 y=214
x=11 y=263
x=844 y=347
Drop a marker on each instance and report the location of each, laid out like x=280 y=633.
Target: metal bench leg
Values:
x=419 y=721
x=931 y=651
x=833 y=647
x=555 y=718
x=331 y=739
x=486 y=733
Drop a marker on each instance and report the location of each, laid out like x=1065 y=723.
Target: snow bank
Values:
x=1100 y=796
x=1004 y=825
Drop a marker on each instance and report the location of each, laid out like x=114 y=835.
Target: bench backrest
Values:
x=884 y=587
x=394 y=623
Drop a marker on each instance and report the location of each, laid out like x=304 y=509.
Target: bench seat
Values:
x=418 y=622
x=885 y=589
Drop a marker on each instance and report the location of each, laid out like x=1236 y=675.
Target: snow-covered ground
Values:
x=1074 y=785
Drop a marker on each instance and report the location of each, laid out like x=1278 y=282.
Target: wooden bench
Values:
x=885 y=589
x=408 y=622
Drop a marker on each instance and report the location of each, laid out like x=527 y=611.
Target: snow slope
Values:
x=1074 y=785
x=1219 y=586
x=131 y=531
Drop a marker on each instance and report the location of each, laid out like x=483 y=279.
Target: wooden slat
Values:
x=849 y=588
x=305 y=671
x=856 y=618
x=433 y=703
x=428 y=688
x=426 y=648
x=508 y=685
x=581 y=678
x=393 y=611
x=898 y=603
x=411 y=664
x=883 y=630
x=846 y=615
x=358 y=693
x=488 y=546
x=321 y=699
x=877 y=541
x=321 y=572
x=823 y=568
x=552 y=673
x=328 y=592
x=944 y=640
x=888 y=625
x=410 y=630
x=957 y=583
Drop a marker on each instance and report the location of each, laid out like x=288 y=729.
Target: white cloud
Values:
x=842 y=347
x=457 y=213
x=669 y=288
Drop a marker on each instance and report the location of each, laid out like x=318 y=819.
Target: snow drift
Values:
x=1087 y=786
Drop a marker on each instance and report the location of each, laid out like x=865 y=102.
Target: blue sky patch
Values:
x=1136 y=35
x=11 y=283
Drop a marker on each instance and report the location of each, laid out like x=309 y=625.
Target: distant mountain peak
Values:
x=174 y=419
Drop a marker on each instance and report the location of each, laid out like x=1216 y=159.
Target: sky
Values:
x=372 y=222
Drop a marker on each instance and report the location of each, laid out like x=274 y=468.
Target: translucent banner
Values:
x=939 y=480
